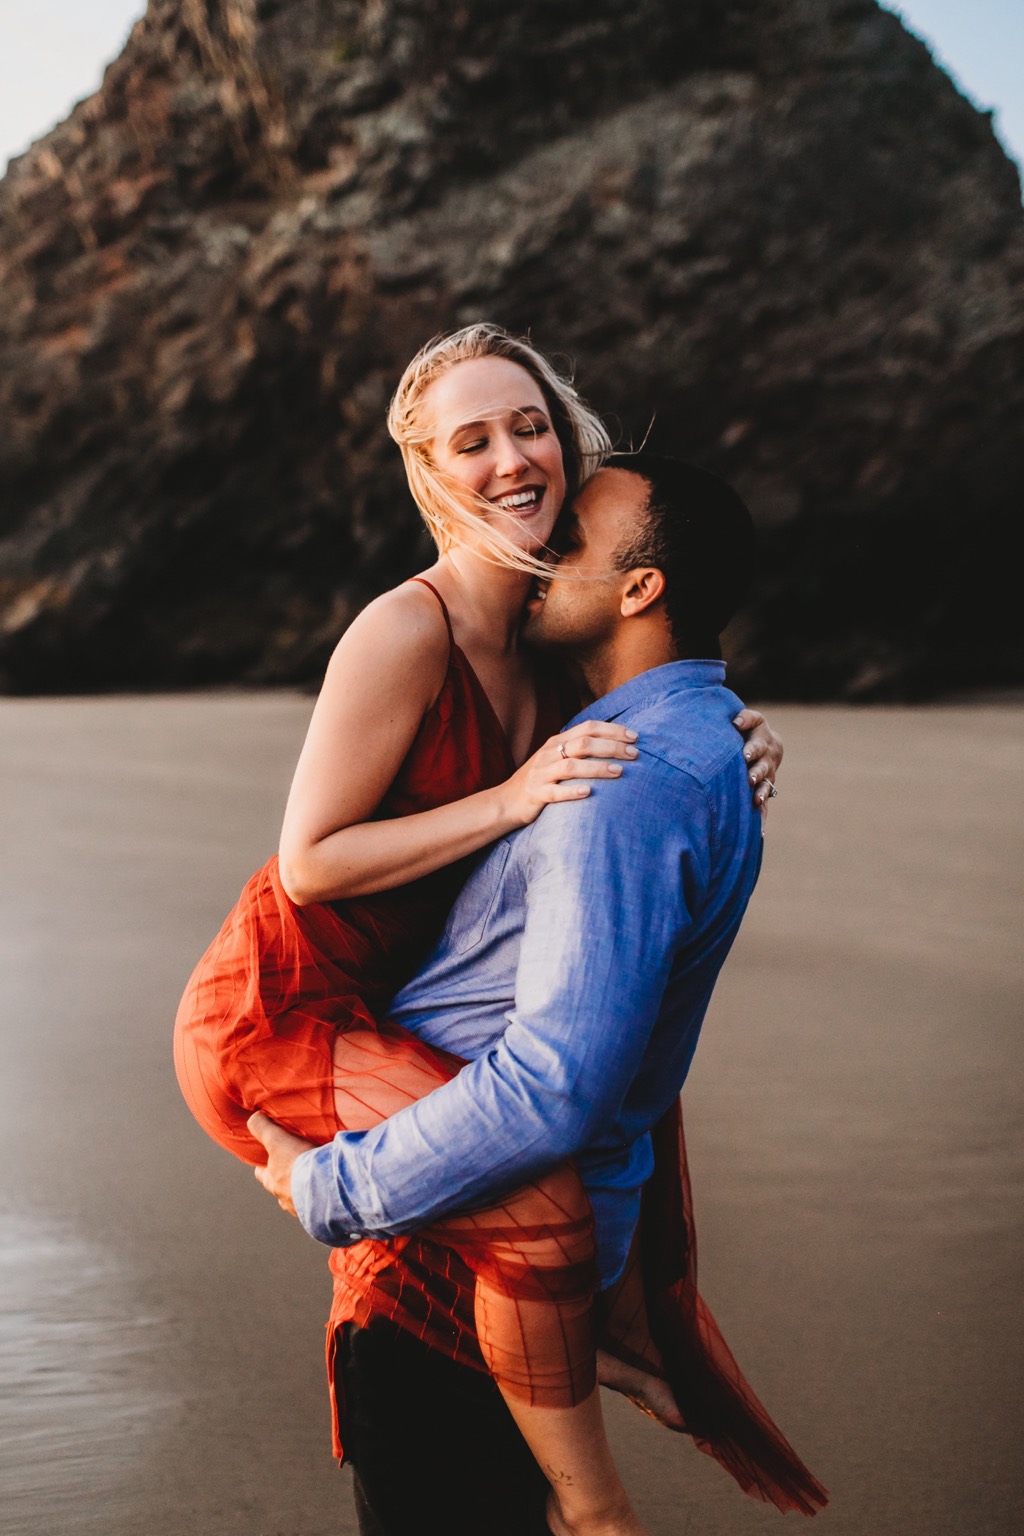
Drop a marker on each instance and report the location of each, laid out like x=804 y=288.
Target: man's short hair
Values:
x=699 y=533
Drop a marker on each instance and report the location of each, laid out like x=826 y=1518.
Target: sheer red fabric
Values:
x=283 y=1014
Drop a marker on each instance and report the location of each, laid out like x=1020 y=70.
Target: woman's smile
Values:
x=528 y=499
x=523 y=504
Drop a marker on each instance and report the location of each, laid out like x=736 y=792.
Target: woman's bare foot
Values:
x=619 y=1523
x=651 y=1394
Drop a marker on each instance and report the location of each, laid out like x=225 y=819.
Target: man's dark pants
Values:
x=431 y=1443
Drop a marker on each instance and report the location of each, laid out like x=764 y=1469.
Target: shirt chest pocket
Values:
x=468 y=919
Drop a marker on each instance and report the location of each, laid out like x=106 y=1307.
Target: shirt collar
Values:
x=656 y=683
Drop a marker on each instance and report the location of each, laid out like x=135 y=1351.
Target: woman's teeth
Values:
x=519 y=499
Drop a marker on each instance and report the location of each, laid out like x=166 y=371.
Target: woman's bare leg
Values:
x=533 y=1262
x=587 y=1496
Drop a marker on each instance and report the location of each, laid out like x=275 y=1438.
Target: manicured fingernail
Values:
x=632 y=752
x=748 y=755
x=615 y=768
x=736 y=719
x=632 y=735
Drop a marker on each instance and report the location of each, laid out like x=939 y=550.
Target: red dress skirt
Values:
x=509 y=1290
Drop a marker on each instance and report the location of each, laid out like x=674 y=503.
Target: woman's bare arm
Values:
x=384 y=675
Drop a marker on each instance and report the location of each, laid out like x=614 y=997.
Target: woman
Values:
x=430 y=682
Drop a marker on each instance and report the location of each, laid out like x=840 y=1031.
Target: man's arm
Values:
x=612 y=884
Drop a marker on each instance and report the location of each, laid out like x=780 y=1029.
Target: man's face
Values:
x=581 y=605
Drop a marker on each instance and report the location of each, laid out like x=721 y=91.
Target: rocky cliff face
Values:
x=771 y=225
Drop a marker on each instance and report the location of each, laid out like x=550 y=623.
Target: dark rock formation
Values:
x=775 y=227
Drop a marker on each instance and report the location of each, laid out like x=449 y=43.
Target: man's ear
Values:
x=644 y=586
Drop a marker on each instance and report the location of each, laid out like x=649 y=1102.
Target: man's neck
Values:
x=609 y=666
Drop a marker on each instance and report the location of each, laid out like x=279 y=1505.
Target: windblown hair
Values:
x=441 y=499
x=699 y=533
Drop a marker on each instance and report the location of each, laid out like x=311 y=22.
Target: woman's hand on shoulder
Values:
x=385 y=673
x=560 y=769
x=762 y=752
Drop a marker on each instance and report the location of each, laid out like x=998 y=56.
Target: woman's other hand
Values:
x=762 y=750
x=559 y=770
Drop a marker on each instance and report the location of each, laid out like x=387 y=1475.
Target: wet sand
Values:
x=854 y=1118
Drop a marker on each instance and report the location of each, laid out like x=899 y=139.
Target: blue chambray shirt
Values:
x=574 y=974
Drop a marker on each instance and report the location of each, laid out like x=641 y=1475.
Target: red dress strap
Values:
x=444 y=606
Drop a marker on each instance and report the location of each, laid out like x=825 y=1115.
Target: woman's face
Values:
x=492 y=434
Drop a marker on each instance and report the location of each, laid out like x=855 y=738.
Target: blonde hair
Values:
x=441 y=498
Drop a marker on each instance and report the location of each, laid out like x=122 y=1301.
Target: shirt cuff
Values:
x=309 y=1202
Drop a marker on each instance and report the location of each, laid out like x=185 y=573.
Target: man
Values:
x=573 y=976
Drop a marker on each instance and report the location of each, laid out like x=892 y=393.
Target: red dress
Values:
x=284 y=1013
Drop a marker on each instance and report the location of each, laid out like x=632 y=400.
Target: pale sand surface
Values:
x=854 y=1118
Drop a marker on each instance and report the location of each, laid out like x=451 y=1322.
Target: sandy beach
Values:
x=854 y=1119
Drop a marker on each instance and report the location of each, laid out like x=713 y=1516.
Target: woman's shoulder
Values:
x=402 y=629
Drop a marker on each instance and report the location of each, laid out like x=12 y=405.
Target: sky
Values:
x=52 y=53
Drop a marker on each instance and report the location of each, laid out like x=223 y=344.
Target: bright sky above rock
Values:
x=53 y=52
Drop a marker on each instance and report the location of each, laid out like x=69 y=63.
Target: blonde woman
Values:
x=435 y=733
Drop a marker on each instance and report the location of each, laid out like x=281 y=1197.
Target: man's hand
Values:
x=282 y=1150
